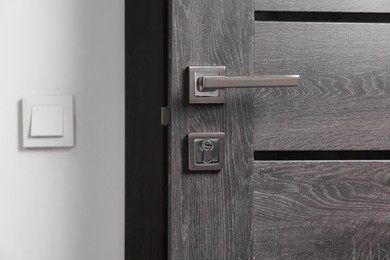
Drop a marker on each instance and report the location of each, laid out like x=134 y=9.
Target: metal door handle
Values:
x=212 y=83
x=207 y=83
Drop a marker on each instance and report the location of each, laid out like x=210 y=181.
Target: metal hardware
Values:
x=206 y=81
x=213 y=83
x=206 y=151
x=204 y=97
x=165 y=116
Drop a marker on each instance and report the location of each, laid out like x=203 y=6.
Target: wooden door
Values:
x=307 y=169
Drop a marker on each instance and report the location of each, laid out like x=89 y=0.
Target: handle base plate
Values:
x=209 y=97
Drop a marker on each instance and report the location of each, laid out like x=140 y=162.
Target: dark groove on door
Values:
x=330 y=17
x=320 y=155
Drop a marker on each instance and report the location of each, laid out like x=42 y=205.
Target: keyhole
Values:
x=207 y=146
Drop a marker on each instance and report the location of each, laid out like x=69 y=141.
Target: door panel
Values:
x=322 y=210
x=343 y=101
x=210 y=214
x=299 y=210
x=373 y=6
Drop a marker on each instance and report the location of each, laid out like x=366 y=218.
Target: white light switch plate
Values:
x=48 y=121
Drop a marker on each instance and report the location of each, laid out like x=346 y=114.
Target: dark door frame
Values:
x=146 y=146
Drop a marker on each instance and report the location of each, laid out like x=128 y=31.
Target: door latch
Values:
x=206 y=151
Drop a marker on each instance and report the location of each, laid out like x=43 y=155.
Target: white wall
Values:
x=63 y=204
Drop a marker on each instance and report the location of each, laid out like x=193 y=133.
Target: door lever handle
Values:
x=207 y=84
x=212 y=83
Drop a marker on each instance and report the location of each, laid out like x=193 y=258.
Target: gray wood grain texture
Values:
x=343 y=101
x=322 y=210
x=210 y=213
x=374 y=6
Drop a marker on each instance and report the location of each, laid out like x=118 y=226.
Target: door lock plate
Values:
x=206 y=151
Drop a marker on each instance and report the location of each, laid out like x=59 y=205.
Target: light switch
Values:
x=48 y=121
